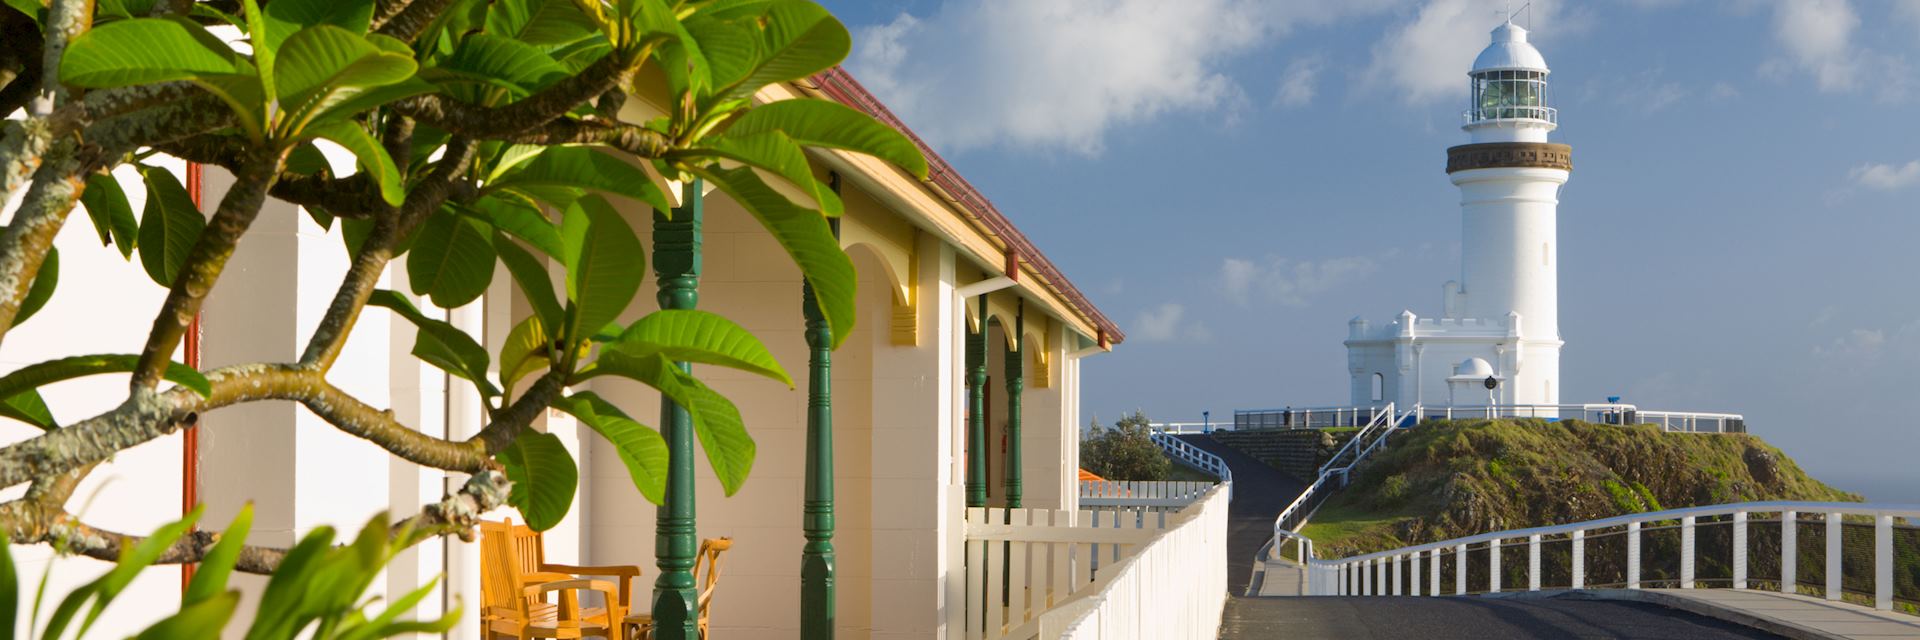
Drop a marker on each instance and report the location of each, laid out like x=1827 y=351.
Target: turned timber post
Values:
x=976 y=411
x=676 y=263
x=1016 y=383
x=817 y=600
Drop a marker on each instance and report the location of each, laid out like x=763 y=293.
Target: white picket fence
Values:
x=1129 y=493
x=1097 y=574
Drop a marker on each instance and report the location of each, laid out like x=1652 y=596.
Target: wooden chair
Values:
x=515 y=579
x=639 y=626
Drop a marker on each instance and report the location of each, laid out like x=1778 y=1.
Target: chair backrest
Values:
x=710 y=550
x=500 y=572
x=529 y=549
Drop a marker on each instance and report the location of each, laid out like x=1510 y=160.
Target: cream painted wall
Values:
x=138 y=490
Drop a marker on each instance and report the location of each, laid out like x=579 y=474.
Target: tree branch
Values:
x=331 y=335
x=411 y=17
x=32 y=522
x=203 y=265
x=498 y=123
x=634 y=139
x=27 y=240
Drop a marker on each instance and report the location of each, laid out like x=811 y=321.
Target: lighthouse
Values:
x=1497 y=338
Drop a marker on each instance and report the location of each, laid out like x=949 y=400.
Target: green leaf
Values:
x=276 y=615
x=451 y=260
x=531 y=274
x=780 y=164
x=373 y=157
x=263 y=56
x=823 y=123
x=605 y=264
x=539 y=22
x=498 y=59
x=41 y=290
x=524 y=352
x=807 y=239
x=799 y=39
x=730 y=46
x=30 y=408
x=40 y=374
x=520 y=220
x=544 y=478
x=144 y=51
x=323 y=65
x=640 y=448
x=386 y=626
x=286 y=17
x=106 y=204
x=440 y=344
x=584 y=168
x=168 y=226
x=346 y=104
x=133 y=561
x=730 y=451
x=210 y=580
x=687 y=335
x=9 y=593
x=32 y=9
x=202 y=619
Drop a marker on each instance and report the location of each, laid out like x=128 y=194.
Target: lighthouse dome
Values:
x=1509 y=51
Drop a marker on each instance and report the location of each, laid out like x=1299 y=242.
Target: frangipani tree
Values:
x=484 y=131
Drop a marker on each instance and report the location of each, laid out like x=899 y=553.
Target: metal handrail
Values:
x=1196 y=457
x=1355 y=575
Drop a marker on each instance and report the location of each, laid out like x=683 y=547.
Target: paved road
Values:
x=1465 y=619
x=1259 y=493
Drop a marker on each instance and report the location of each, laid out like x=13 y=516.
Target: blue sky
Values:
x=1232 y=180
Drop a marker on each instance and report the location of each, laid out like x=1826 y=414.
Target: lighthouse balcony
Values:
x=1515 y=113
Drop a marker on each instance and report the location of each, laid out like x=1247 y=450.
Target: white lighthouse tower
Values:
x=1500 y=320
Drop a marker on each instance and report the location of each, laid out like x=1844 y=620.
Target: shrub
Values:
x=1125 y=451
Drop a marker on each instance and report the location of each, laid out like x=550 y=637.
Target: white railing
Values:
x=1193 y=456
x=1333 y=475
x=1034 y=573
x=1130 y=493
x=1838 y=531
x=1509 y=112
x=1302 y=417
x=1608 y=413
x=1182 y=428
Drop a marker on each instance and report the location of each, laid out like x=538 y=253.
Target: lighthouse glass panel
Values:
x=1509 y=94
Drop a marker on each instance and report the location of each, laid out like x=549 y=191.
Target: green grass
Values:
x=1448 y=479
x=1184 y=473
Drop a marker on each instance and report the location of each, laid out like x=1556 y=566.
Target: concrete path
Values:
x=1450 y=618
x=1793 y=616
x=1259 y=493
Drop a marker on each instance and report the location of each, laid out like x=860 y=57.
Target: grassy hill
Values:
x=1449 y=479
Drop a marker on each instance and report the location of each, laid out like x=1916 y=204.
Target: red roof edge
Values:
x=842 y=87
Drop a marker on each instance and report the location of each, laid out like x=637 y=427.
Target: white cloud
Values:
x=1425 y=58
x=1297 y=81
x=1167 y=323
x=1858 y=344
x=1289 y=282
x=1818 y=35
x=1063 y=74
x=1886 y=177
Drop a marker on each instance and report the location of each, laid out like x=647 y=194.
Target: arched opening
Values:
x=1379 y=387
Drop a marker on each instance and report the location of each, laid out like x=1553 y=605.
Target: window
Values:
x=1509 y=94
x=1379 y=387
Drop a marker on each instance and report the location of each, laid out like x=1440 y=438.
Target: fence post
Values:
x=1380 y=581
x=1460 y=570
x=1883 y=563
x=1493 y=560
x=1833 y=556
x=1395 y=589
x=1633 y=555
x=1533 y=562
x=1789 y=542
x=1413 y=571
x=1366 y=578
x=1579 y=559
x=1433 y=571
x=1686 y=552
x=1739 y=549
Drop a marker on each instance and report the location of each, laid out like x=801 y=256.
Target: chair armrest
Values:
x=576 y=584
x=628 y=571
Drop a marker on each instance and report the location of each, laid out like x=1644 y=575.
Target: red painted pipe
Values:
x=190 y=445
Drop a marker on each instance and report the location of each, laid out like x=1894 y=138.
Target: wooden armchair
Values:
x=639 y=626
x=515 y=579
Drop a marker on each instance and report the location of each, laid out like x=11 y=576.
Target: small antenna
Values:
x=1527 y=9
